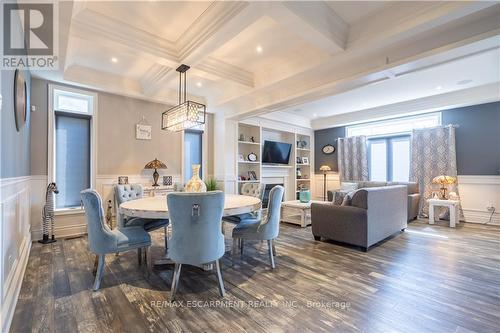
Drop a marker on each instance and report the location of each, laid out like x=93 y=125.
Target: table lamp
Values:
x=444 y=181
x=325 y=169
x=155 y=164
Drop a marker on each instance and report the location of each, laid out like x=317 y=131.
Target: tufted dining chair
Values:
x=196 y=232
x=250 y=189
x=258 y=229
x=124 y=193
x=103 y=240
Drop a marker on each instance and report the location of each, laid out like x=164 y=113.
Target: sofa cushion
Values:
x=348 y=186
x=411 y=186
x=372 y=184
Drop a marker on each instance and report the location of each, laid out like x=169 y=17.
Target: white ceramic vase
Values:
x=195 y=184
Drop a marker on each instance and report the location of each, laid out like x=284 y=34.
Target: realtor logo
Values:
x=29 y=36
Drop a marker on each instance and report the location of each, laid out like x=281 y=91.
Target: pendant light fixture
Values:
x=187 y=114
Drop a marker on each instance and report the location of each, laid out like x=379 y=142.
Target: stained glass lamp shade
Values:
x=155 y=164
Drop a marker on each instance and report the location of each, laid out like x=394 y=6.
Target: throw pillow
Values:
x=338 y=197
x=348 y=198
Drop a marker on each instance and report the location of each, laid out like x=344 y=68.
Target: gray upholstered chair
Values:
x=196 y=232
x=250 y=189
x=102 y=240
x=256 y=229
x=124 y=193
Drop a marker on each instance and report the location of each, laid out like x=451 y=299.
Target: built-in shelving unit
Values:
x=303 y=160
x=249 y=141
x=251 y=138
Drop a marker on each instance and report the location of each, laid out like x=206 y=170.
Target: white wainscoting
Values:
x=476 y=193
x=15 y=241
x=73 y=224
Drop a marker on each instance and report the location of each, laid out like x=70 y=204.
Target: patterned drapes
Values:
x=432 y=154
x=352 y=158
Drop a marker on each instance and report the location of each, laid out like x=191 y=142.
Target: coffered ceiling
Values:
x=252 y=58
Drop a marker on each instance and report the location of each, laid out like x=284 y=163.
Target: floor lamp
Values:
x=325 y=169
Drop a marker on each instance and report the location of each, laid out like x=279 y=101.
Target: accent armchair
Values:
x=196 y=232
x=102 y=240
x=256 y=229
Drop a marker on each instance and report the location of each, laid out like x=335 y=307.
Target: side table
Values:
x=451 y=204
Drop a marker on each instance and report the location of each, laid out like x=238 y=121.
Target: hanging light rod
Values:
x=187 y=114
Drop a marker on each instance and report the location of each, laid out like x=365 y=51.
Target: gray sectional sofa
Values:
x=412 y=188
x=374 y=214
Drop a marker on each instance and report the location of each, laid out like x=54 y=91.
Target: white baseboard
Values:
x=482 y=217
x=14 y=283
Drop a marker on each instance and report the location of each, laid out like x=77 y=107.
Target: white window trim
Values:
x=51 y=140
x=389 y=121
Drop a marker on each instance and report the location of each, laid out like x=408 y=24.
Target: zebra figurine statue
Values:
x=48 y=214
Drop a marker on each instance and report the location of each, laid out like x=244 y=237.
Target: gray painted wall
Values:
x=321 y=138
x=118 y=151
x=15 y=146
x=477 y=139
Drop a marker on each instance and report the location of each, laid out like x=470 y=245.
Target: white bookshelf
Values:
x=271 y=172
x=304 y=168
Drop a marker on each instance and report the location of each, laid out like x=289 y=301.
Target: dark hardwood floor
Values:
x=427 y=279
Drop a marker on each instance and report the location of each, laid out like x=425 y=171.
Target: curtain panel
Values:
x=353 y=158
x=432 y=154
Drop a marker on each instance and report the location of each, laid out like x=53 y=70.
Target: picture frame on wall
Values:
x=143 y=132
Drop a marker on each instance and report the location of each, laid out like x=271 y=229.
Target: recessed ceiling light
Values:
x=439 y=87
x=199 y=84
x=315 y=115
x=115 y=60
x=466 y=81
x=259 y=49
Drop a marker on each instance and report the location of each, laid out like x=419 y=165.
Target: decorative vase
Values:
x=195 y=184
x=305 y=196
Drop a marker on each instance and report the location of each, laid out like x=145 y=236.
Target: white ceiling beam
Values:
x=236 y=16
x=220 y=69
x=116 y=84
x=355 y=68
x=315 y=22
x=401 y=20
x=104 y=29
x=362 y=65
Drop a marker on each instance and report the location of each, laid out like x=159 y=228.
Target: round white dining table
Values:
x=156 y=207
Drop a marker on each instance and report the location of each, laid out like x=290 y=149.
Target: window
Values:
x=389 y=144
x=389 y=158
x=71 y=136
x=193 y=152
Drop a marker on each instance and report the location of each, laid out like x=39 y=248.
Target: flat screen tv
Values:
x=276 y=152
